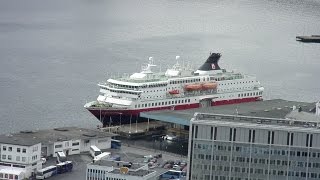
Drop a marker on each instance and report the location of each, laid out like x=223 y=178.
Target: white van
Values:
x=94 y=151
x=103 y=155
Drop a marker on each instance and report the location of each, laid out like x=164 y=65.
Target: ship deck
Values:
x=276 y=108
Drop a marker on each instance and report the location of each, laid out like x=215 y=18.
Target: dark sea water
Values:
x=54 y=52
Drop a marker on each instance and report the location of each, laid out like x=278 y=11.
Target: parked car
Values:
x=43 y=160
x=158 y=156
x=168 y=166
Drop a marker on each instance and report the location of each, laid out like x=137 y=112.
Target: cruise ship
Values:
x=178 y=88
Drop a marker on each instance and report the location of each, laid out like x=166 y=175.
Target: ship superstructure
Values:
x=178 y=88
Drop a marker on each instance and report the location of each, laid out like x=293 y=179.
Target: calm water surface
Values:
x=53 y=53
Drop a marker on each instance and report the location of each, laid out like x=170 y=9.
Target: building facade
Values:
x=233 y=147
x=20 y=153
x=24 y=156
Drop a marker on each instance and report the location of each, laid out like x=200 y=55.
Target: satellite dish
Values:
x=124 y=170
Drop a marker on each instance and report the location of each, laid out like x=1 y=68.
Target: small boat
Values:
x=175 y=91
x=212 y=85
x=192 y=87
x=312 y=38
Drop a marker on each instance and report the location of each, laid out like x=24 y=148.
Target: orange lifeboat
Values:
x=212 y=85
x=192 y=87
x=175 y=91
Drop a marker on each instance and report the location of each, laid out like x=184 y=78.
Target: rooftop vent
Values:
x=62 y=139
x=26 y=132
x=89 y=135
x=61 y=129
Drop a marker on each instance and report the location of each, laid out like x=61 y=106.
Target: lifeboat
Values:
x=175 y=91
x=212 y=85
x=192 y=87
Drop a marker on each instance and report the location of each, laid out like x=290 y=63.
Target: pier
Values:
x=137 y=130
x=276 y=108
x=310 y=39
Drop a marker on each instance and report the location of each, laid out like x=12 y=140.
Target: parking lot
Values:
x=129 y=154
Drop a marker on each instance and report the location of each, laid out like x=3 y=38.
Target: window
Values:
x=4 y=157
x=58 y=146
x=9 y=157
x=75 y=144
x=23 y=159
x=18 y=149
x=24 y=150
x=18 y=158
x=35 y=148
x=215 y=133
x=10 y=149
x=4 y=148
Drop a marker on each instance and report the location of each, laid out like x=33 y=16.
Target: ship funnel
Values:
x=211 y=63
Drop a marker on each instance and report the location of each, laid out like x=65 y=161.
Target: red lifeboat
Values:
x=192 y=87
x=175 y=91
x=211 y=85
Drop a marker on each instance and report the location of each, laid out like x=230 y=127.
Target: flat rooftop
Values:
x=140 y=172
x=275 y=108
x=49 y=136
x=134 y=170
x=11 y=170
x=117 y=164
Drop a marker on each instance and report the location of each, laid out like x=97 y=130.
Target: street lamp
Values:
x=120 y=119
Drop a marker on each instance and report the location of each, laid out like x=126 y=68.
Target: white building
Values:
x=19 y=154
x=71 y=140
x=241 y=147
x=108 y=169
x=12 y=173
x=24 y=150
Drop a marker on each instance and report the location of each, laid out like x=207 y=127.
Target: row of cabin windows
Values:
x=221 y=89
x=244 y=82
x=163 y=103
x=249 y=94
x=199 y=79
x=123 y=86
x=142 y=86
x=152 y=97
x=184 y=81
x=172 y=82
x=119 y=91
